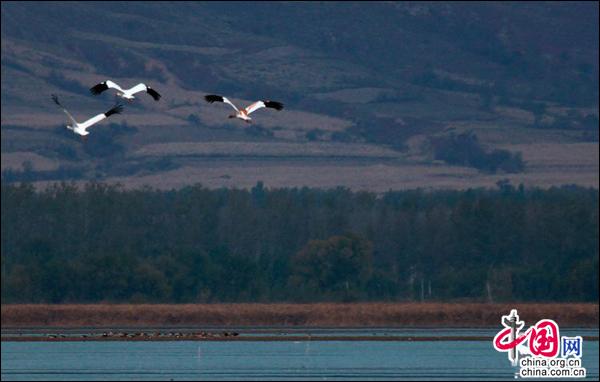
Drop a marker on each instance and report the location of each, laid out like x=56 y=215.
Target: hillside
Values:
x=377 y=95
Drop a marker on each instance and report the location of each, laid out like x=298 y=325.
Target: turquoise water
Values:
x=276 y=360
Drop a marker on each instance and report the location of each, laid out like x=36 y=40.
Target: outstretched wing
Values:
x=97 y=89
x=153 y=93
x=144 y=88
x=260 y=104
x=136 y=89
x=102 y=86
x=217 y=98
x=113 y=85
x=117 y=109
x=55 y=99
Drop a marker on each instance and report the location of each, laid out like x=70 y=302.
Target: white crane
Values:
x=243 y=114
x=127 y=94
x=81 y=128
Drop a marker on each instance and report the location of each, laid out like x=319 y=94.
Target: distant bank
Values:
x=472 y=315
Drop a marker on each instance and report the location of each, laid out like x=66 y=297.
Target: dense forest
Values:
x=102 y=243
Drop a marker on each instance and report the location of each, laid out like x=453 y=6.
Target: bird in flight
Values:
x=243 y=114
x=81 y=128
x=127 y=94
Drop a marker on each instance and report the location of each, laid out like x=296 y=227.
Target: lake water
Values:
x=262 y=360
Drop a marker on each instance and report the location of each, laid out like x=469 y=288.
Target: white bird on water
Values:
x=243 y=114
x=127 y=94
x=81 y=128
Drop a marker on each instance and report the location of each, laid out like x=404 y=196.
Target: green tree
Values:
x=336 y=268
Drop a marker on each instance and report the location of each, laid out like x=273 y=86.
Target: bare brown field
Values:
x=514 y=113
x=546 y=155
x=266 y=149
x=16 y=160
x=354 y=174
x=295 y=315
x=46 y=121
x=377 y=177
x=355 y=95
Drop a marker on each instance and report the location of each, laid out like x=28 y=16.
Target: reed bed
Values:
x=295 y=315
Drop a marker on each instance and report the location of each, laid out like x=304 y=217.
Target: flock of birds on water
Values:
x=128 y=94
x=145 y=335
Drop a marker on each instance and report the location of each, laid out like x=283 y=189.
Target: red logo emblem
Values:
x=543 y=338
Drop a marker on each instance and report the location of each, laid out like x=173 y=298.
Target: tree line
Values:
x=464 y=149
x=105 y=243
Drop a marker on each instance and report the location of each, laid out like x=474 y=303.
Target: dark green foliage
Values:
x=104 y=140
x=64 y=172
x=66 y=151
x=57 y=79
x=341 y=136
x=97 y=243
x=338 y=266
x=194 y=119
x=465 y=150
x=432 y=80
x=314 y=135
x=258 y=131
